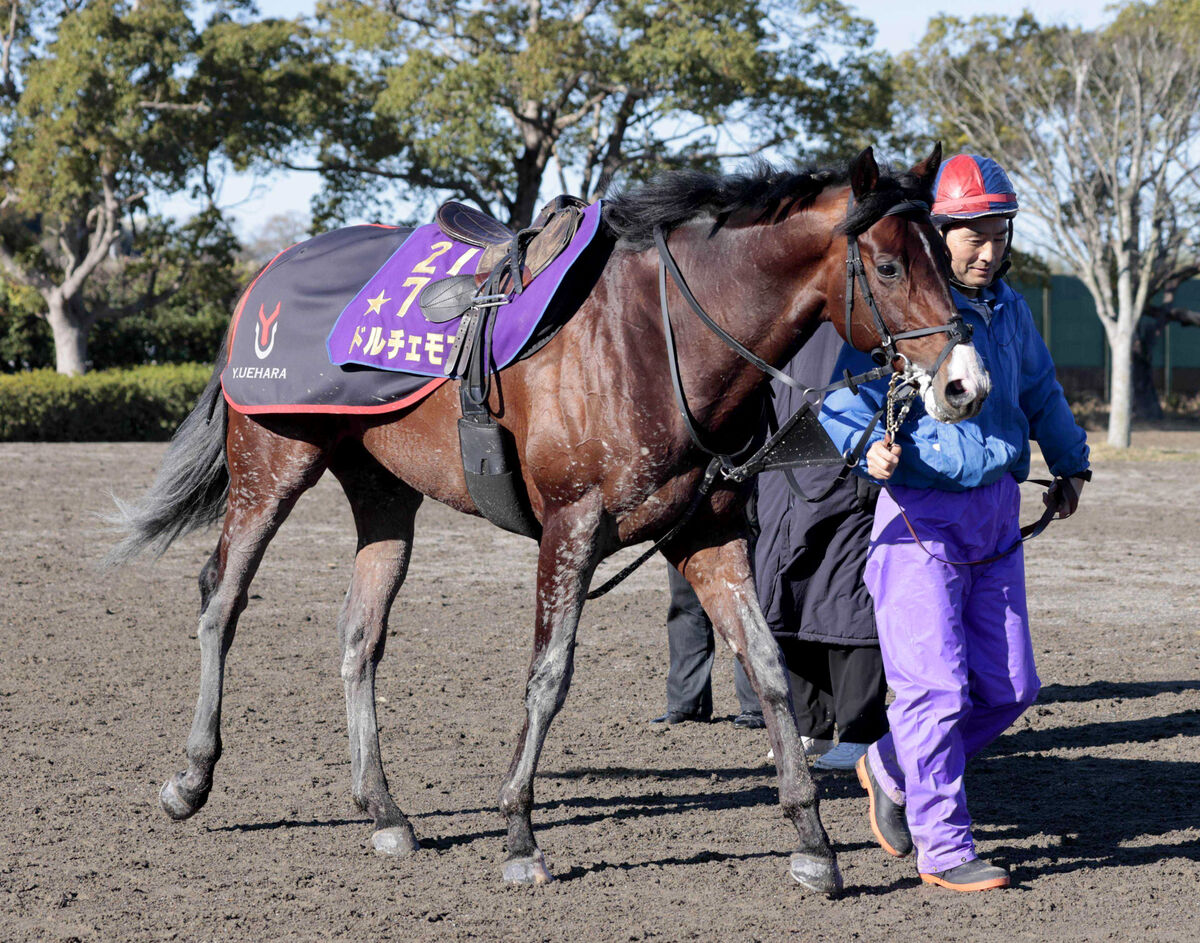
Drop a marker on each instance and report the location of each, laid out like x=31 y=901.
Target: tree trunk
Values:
x=70 y=335
x=1145 y=395
x=1120 y=406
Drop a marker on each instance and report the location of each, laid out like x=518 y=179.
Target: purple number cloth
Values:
x=383 y=325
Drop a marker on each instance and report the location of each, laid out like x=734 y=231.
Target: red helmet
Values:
x=969 y=187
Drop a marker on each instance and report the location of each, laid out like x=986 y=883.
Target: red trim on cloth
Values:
x=335 y=409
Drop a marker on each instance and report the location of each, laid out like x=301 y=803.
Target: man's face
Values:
x=977 y=249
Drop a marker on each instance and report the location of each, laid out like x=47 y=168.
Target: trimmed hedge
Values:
x=139 y=404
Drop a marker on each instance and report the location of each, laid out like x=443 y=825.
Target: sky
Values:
x=901 y=23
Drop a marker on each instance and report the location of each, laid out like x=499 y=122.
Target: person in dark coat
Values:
x=808 y=561
x=808 y=568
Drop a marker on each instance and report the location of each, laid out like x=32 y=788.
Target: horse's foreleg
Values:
x=258 y=503
x=384 y=508
x=566 y=560
x=724 y=584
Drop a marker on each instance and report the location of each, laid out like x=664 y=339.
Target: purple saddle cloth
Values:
x=384 y=327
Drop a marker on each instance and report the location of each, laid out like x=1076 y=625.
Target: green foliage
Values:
x=25 y=340
x=83 y=109
x=143 y=404
x=479 y=97
x=115 y=100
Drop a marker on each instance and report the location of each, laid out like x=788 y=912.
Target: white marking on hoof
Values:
x=530 y=870
x=397 y=840
x=816 y=874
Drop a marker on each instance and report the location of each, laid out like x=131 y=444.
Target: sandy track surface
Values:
x=1093 y=798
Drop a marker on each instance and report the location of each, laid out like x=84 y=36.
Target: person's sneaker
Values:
x=750 y=720
x=816 y=746
x=678 y=717
x=888 y=824
x=813 y=746
x=842 y=757
x=974 y=875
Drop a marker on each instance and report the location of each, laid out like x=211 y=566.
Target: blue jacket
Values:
x=1026 y=401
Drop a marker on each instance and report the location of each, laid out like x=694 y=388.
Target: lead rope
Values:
x=894 y=419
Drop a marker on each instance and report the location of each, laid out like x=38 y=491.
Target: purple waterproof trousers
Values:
x=956 y=650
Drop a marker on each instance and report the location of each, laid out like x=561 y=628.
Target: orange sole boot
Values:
x=974 y=875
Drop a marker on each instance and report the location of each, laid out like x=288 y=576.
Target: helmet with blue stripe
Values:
x=969 y=186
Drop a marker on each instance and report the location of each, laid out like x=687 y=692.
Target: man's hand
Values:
x=1063 y=496
x=882 y=459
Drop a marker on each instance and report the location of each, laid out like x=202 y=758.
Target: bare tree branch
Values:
x=7 y=85
x=1100 y=134
x=199 y=107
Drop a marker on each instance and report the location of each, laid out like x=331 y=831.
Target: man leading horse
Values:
x=945 y=566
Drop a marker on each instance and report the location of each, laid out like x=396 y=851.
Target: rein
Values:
x=1028 y=532
x=727 y=466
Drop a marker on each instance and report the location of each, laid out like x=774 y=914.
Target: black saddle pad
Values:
x=278 y=360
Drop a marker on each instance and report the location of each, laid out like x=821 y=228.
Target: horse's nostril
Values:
x=956 y=390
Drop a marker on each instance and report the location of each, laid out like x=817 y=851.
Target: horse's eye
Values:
x=888 y=270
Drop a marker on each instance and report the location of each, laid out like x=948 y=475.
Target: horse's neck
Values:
x=764 y=284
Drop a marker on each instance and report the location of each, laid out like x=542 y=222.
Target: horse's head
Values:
x=899 y=303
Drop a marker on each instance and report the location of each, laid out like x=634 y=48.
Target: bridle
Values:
x=726 y=465
x=958 y=330
x=886 y=354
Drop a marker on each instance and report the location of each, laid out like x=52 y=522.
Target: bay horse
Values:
x=606 y=457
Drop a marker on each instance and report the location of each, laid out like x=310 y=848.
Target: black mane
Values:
x=675 y=197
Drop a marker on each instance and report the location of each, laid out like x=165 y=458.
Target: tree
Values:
x=81 y=148
x=1101 y=135
x=486 y=98
x=121 y=100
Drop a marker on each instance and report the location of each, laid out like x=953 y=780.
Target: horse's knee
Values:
x=362 y=647
x=550 y=679
x=208 y=580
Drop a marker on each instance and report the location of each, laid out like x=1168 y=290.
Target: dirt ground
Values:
x=1092 y=799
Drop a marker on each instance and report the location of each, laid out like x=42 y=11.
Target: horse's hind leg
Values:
x=723 y=582
x=566 y=560
x=262 y=491
x=384 y=508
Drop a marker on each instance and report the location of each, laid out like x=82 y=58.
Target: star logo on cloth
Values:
x=374 y=304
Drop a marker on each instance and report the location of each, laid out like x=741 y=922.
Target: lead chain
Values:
x=895 y=418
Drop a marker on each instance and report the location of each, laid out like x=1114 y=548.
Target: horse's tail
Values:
x=190 y=489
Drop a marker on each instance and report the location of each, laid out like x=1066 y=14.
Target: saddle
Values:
x=533 y=248
x=509 y=262
x=509 y=258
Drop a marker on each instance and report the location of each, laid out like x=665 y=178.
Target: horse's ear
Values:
x=928 y=168
x=864 y=174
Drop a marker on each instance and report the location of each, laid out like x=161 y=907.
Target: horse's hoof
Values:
x=397 y=840
x=178 y=801
x=531 y=870
x=816 y=874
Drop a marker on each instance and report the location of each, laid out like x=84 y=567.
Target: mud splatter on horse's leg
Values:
x=384 y=508
x=267 y=474
x=724 y=584
x=566 y=560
